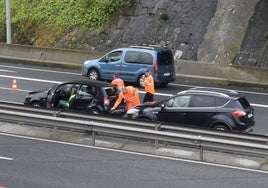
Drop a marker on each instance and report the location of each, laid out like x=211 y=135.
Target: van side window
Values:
x=114 y=56
x=138 y=57
x=146 y=58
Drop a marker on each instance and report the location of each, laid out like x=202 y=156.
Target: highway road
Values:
x=28 y=162
x=31 y=78
x=39 y=163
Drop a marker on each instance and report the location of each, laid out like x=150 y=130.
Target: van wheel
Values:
x=221 y=128
x=93 y=74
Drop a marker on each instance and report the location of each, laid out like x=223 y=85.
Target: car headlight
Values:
x=86 y=62
x=132 y=111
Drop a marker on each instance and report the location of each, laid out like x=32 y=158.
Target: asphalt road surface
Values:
x=30 y=78
x=41 y=164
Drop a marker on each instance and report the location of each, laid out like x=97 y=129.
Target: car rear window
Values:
x=164 y=57
x=242 y=102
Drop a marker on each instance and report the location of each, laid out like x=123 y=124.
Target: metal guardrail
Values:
x=198 y=138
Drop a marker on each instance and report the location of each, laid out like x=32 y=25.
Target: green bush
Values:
x=61 y=15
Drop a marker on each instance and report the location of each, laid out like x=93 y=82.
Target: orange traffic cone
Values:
x=14 y=85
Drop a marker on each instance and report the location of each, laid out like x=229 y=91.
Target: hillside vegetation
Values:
x=43 y=22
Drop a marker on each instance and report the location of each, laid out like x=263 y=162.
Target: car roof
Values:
x=213 y=91
x=145 y=47
x=90 y=82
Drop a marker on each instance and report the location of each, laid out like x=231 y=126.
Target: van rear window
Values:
x=164 y=57
x=138 y=57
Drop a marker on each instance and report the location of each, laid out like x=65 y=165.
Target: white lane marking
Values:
x=30 y=79
x=5 y=88
x=240 y=91
x=40 y=70
x=136 y=153
x=2 y=70
x=161 y=94
x=6 y=158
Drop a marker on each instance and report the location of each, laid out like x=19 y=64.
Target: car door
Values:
x=175 y=109
x=61 y=92
x=201 y=110
x=134 y=64
x=110 y=64
x=85 y=97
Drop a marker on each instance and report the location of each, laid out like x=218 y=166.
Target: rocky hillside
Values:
x=217 y=31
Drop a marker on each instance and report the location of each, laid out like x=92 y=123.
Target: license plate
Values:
x=167 y=74
x=250 y=115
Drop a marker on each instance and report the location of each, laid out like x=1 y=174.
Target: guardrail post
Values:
x=198 y=141
x=157 y=128
x=93 y=138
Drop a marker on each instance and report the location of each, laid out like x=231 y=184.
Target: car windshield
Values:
x=53 y=89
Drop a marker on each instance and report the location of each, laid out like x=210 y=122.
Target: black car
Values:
x=212 y=108
x=92 y=96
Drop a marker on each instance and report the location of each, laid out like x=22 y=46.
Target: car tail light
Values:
x=155 y=68
x=238 y=113
x=106 y=101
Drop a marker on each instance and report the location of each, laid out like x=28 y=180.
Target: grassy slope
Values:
x=42 y=22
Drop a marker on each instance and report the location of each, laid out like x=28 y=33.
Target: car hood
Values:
x=39 y=92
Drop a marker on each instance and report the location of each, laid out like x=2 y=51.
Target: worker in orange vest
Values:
x=131 y=96
x=117 y=82
x=148 y=84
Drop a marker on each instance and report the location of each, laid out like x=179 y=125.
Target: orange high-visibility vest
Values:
x=118 y=82
x=148 y=84
x=131 y=96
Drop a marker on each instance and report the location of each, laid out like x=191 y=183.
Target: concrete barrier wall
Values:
x=227 y=74
x=45 y=55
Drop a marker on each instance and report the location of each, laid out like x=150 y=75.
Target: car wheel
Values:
x=95 y=112
x=221 y=128
x=36 y=104
x=93 y=74
x=144 y=119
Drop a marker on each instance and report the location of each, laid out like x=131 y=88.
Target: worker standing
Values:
x=131 y=96
x=148 y=84
x=118 y=82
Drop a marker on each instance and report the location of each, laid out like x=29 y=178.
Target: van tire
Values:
x=93 y=74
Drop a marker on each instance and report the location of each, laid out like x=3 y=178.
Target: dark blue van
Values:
x=131 y=63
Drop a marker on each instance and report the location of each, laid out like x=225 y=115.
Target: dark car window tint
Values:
x=221 y=101
x=179 y=101
x=146 y=58
x=139 y=57
x=88 y=90
x=133 y=57
x=164 y=57
x=203 y=101
x=242 y=102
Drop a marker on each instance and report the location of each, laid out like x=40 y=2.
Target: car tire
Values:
x=221 y=128
x=95 y=112
x=93 y=74
x=36 y=104
x=144 y=119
